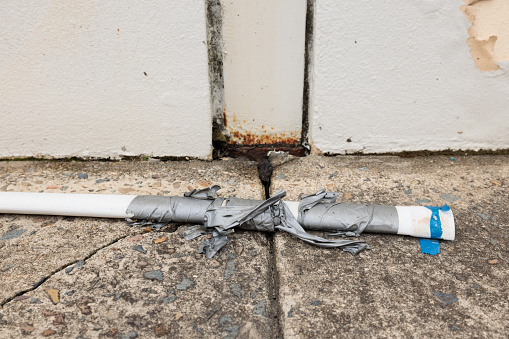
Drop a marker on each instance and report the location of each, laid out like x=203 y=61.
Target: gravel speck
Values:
x=230 y=270
x=35 y=301
x=82 y=176
x=483 y=216
x=128 y=335
x=167 y=300
x=445 y=297
x=422 y=201
x=237 y=290
x=140 y=249
x=260 y=309
x=449 y=197
x=12 y=234
x=154 y=275
x=185 y=284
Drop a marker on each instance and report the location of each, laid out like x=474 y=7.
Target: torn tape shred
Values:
x=211 y=246
x=269 y=215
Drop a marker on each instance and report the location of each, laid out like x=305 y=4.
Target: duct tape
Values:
x=219 y=217
x=320 y=211
x=171 y=209
x=267 y=215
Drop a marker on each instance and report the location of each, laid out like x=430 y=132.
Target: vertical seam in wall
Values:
x=308 y=57
x=214 y=13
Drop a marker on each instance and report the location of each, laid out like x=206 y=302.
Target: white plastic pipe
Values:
x=79 y=205
x=413 y=220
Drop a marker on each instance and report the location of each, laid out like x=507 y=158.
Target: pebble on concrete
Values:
x=140 y=249
x=54 y=295
x=260 y=309
x=12 y=234
x=82 y=176
x=449 y=197
x=154 y=275
x=185 y=284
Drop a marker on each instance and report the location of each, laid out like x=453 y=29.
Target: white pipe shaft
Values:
x=80 y=205
x=413 y=220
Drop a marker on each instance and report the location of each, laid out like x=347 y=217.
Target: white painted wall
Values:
x=263 y=65
x=72 y=78
x=398 y=76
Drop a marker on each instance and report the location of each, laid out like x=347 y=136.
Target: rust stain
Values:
x=225 y=120
x=249 y=138
x=240 y=136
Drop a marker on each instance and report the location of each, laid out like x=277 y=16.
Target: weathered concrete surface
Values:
x=168 y=291
x=393 y=290
x=118 y=289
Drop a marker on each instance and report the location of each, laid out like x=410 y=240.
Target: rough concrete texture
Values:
x=153 y=285
x=101 y=277
x=127 y=282
x=394 y=290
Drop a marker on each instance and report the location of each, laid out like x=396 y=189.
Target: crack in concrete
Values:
x=44 y=279
x=276 y=309
x=265 y=172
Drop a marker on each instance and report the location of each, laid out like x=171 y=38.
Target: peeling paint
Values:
x=489 y=32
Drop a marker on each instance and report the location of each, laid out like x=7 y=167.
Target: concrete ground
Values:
x=90 y=277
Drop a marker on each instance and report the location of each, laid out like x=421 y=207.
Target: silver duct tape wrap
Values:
x=319 y=211
x=171 y=209
x=198 y=211
x=351 y=218
x=219 y=217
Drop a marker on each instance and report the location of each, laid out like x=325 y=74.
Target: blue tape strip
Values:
x=435 y=224
x=430 y=246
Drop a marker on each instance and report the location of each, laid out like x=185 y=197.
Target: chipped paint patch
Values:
x=489 y=32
